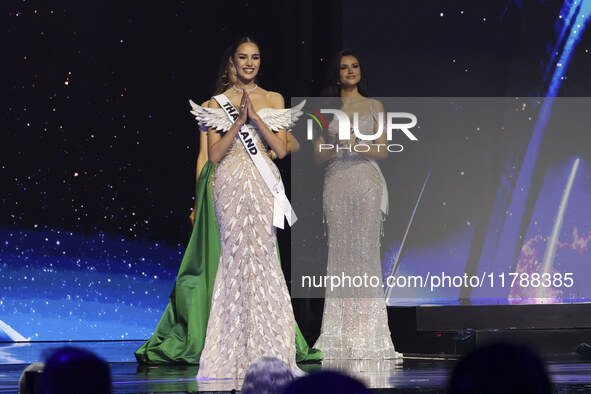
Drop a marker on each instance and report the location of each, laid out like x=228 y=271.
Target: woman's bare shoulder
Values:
x=275 y=99
x=377 y=104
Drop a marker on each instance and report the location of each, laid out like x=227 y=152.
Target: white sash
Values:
x=281 y=205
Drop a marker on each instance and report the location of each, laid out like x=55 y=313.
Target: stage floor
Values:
x=416 y=374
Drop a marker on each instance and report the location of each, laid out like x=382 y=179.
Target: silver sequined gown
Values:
x=251 y=313
x=354 y=322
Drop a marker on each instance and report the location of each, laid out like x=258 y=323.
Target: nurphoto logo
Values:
x=363 y=141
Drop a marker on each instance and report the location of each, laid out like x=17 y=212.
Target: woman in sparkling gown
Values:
x=251 y=314
x=354 y=322
x=180 y=334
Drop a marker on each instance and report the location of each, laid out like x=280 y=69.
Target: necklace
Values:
x=247 y=90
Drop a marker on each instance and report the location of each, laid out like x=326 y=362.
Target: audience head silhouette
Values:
x=267 y=375
x=70 y=370
x=326 y=382
x=500 y=368
x=27 y=383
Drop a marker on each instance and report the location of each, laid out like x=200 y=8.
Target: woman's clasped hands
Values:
x=246 y=112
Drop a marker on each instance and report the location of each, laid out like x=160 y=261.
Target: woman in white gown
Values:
x=251 y=314
x=354 y=322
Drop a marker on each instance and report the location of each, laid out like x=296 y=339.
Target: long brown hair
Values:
x=223 y=80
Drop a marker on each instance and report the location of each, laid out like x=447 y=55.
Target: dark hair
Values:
x=326 y=382
x=72 y=370
x=500 y=368
x=266 y=375
x=223 y=80
x=332 y=84
x=240 y=41
x=30 y=382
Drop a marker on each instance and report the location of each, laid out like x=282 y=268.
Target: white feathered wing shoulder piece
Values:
x=275 y=119
x=278 y=119
x=211 y=117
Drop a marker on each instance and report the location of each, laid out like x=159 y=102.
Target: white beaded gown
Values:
x=251 y=314
x=354 y=322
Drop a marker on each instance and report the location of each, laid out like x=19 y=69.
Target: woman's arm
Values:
x=202 y=158
x=293 y=145
x=218 y=145
x=277 y=141
x=321 y=156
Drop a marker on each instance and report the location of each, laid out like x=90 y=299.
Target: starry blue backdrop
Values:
x=98 y=150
